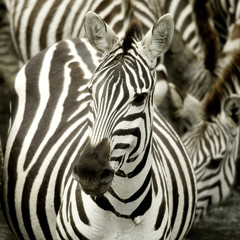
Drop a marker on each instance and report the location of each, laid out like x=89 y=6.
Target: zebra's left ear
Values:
x=99 y=34
x=158 y=39
x=231 y=108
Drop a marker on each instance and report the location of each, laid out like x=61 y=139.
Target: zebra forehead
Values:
x=134 y=32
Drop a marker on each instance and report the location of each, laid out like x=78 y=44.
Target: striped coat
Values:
x=152 y=193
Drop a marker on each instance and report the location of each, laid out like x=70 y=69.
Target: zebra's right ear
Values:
x=231 y=108
x=99 y=34
x=158 y=39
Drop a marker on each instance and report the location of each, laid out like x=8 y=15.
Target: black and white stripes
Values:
x=212 y=138
x=62 y=122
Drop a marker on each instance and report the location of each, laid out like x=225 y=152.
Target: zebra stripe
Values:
x=225 y=12
x=190 y=72
x=214 y=162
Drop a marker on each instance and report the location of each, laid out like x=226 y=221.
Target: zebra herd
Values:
x=124 y=116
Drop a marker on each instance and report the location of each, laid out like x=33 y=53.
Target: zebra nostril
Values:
x=107 y=175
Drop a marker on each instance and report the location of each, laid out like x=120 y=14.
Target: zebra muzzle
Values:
x=92 y=170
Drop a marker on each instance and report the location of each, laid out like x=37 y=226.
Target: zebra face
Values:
x=121 y=115
x=213 y=149
x=121 y=106
x=211 y=140
x=210 y=145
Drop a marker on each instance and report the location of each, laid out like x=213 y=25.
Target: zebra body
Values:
x=36 y=25
x=39 y=24
x=60 y=119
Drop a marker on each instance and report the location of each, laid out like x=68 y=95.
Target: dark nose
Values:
x=92 y=170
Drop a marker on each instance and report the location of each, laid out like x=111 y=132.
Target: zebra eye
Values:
x=214 y=163
x=139 y=99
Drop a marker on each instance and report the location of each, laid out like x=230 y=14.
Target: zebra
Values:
x=33 y=30
x=39 y=24
x=195 y=63
x=187 y=68
x=212 y=148
x=212 y=141
x=183 y=12
x=194 y=17
x=190 y=60
x=88 y=155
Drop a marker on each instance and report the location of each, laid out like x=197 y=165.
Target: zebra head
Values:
x=121 y=108
x=212 y=141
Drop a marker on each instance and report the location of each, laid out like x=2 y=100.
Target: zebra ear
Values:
x=158 y=39
x=231 y=108
x=99 y=34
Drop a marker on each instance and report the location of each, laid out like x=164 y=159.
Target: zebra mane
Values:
x=207 y=33
x=133 y=32
x=212 y=103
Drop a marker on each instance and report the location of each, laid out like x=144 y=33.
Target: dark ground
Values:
x=222 y=222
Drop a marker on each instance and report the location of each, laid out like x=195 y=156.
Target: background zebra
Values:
x=36 y=25
x=213 y=140
x=196 y=74
x=56 y=114
x=34 y=30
